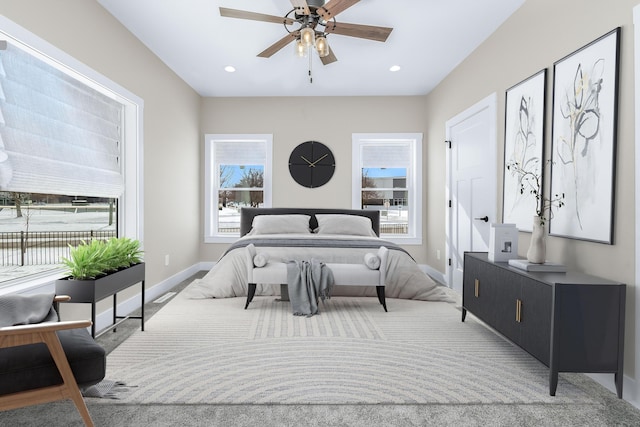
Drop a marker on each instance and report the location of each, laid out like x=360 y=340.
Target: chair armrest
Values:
x=44 y=327
x=14 y=336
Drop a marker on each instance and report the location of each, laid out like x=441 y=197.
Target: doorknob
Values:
x=484 y=218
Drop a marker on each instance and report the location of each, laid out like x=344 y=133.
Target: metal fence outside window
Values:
x=22 y=248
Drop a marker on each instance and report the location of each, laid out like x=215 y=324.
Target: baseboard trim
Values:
x=105 y=318
x=434 y=274
x=629 y=387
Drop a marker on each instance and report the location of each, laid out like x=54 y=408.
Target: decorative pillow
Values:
x=372 y=261
x=344 y=224
x=280 y=224
x=260 y=260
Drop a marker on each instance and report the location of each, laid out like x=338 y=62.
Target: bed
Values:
x=327 y=235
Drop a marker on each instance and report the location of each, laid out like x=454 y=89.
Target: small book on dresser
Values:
x=525 y=265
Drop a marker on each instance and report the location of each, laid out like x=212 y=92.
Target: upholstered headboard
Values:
x=247 y=214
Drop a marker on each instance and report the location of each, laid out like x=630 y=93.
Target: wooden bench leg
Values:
x=380 y=290
x=250 y=293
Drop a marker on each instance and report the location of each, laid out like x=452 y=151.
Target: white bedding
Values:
x=228 y=277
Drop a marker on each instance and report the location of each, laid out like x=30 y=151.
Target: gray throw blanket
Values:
x=17 y=309
x=308 y=281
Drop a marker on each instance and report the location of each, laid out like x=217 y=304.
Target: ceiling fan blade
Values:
x=301 y=7
x=369 y=32
x=329 y=58
x=334 y=7
x=243 y=14
x=268 y=52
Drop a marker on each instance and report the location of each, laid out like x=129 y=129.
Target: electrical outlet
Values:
x=166 y=260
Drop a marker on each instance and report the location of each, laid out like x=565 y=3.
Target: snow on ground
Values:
x=44 y=218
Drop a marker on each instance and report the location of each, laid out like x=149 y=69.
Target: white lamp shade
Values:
x=307 y=35
x=322 y=46
x=300 y=49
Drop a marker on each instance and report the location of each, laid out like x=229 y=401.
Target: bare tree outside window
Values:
x=253 y=178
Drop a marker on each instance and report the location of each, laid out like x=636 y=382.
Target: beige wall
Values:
x=538 y=34
x=84 y=30
x=295 y=120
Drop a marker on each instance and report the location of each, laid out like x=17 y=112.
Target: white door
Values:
x=472 y=181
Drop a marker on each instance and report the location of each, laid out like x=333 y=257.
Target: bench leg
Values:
x=284 y=292
x=380 y=290
x=251 y=291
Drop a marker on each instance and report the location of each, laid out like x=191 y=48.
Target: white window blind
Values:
x=384 y=155
x=57 y=135
x=240 y=152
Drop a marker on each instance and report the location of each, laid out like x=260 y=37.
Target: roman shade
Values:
x=58 y=135
x=385 y=155
x=240 y=152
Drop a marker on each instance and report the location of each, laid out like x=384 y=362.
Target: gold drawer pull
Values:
x=477 y=288
x=518 y=310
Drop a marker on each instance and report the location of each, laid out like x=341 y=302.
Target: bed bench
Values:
x=275 y=272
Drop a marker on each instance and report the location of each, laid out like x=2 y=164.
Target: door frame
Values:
x=489 y=103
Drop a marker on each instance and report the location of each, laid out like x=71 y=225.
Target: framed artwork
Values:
x=584 y=132
x=523 y=148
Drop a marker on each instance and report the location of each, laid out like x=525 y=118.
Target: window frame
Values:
x=130 y=203
x=212 y=184
x=413 y=184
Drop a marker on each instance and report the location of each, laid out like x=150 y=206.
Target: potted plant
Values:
x=101 y=268
x=99 y=258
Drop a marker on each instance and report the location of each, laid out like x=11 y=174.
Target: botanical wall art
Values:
x=523 y=148
x=585 y=92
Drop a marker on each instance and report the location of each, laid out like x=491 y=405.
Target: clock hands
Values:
x=313 y=164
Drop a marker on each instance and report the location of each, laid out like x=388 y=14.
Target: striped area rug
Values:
x=213 y=351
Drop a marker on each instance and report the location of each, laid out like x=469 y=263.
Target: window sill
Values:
x=221 y=239
x=402 y=240
x=33 y=283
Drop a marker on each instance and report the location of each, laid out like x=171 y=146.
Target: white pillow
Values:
x=280 y=224
x=261 y=259
x=372 y=261
x=344 y=224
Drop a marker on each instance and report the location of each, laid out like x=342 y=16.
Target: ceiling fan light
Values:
x=307 y=35
x=322 y=46
x=300 y=49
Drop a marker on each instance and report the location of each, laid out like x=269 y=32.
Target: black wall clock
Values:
x=311 y=164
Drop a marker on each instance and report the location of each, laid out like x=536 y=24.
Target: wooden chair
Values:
x=60 y=338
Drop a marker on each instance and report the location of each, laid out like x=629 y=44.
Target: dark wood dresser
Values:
x=571 y=322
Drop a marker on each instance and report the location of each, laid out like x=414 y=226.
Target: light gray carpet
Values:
x=607 y=410
x=213 y=352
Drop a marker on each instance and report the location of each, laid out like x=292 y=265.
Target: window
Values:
x=237 y=174
x=69 y=157
x=387 y=176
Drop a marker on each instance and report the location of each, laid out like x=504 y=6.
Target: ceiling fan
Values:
x=308 y=24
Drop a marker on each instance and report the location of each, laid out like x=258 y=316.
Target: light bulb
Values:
x=322 y=46
x=300 y=49
x=307 y=35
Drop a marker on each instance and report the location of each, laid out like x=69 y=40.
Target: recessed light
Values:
x=230 y=69
x=394 y=68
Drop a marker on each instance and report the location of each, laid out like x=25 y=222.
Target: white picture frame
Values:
x=503 y=242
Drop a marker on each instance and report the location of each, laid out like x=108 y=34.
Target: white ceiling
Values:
x=429 y=39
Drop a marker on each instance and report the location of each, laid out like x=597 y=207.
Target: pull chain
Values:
x=310 y=66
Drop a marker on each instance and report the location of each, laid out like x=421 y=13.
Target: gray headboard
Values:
x=247 y=214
